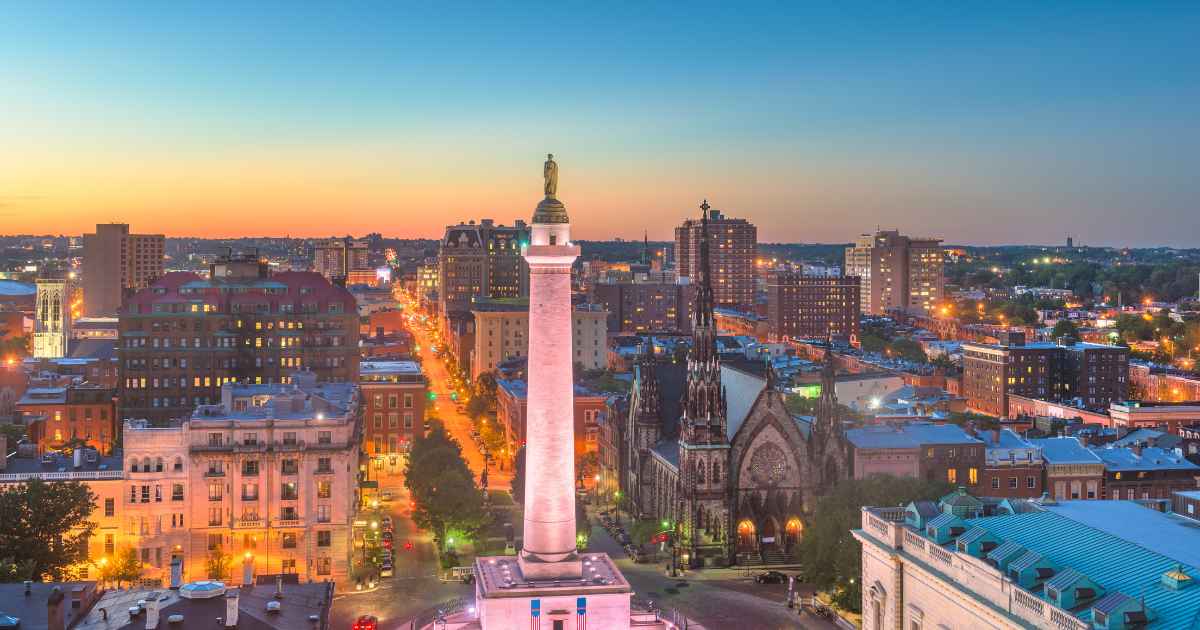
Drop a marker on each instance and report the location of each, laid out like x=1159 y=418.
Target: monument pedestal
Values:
x=508 y=597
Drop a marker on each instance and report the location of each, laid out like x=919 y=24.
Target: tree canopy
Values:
x=442 y=485
x=45 y=526
x=833 y=558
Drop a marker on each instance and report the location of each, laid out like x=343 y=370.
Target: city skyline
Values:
x=982 y=126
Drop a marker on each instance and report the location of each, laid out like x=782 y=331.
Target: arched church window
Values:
x=699 y=472
x=716 y=472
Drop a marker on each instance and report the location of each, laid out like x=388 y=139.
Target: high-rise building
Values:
x=184 y=336
x=481 y=261
x=52 y=318
x=896 y=272
x=1096 y=375
x=733 y=250
x=343 y=259
x=646 y=306
x=116 y=263
x=812 y=307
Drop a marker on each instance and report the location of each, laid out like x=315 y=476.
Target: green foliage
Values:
x=442 y=486
x=125 y=567
x=603 y=381
x=1066 y=330
x=518 y=478
x=833 y=557
x=12 y=433
x=17 y=347
x=218 y=564
x=800 y=405
x=642 y=530
x=46 y=526
x=908 y=350
x=13 y=571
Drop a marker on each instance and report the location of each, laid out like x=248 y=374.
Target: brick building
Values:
x=185 y=335
x=812 y=307
x=733 y=251
x=394 y=395
x=1072 y=470
x=645 y=306
x=1146 y=472
x=511 y=399
x=918 y=449
x=1096 y=375
x=57 y=417
x=1013 y=467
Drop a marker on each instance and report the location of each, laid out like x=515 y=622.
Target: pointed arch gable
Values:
x=766 y=414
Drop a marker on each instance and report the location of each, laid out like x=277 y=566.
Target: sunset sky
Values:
x=976 y=122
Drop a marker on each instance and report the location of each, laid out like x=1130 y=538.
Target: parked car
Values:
x=366 y=622
x=386 y=522
x=771 y=577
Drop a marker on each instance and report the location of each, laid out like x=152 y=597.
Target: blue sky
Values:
x=981 y=124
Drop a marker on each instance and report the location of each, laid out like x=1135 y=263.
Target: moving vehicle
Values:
x=366 y=622
x=771 y=577
x=386 y=569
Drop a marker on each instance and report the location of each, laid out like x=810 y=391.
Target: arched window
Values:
x=716 y=472
x=700 y=472
x=158 y=464
x=178 y=464
x=146 y=465
x=133 y=467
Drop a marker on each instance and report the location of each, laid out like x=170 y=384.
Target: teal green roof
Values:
x=1112 y=562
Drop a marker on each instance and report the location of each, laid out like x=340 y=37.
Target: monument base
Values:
x=507 y=597
x=535 y=568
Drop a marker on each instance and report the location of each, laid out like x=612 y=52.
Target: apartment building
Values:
x=394 y=395
x=812 y=307
x=343 y=259
x=70 y=415
x=645 y=306
x=481 y=260
x=184 y=336
x=733 y=251
x=116 y=263
x=896 y=272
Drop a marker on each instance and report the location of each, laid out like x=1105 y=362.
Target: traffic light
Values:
x=432 y=395
x=408 y=545
x=453 y=395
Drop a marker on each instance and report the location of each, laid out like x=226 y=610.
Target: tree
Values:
x=1066 y=330
x=218 y=564
x=46 y=525
x=834 y=557
x=12 y=433
x=443 y=488
x=518 y=478
x=12 y=571
x=908 y=350
x=125 y=567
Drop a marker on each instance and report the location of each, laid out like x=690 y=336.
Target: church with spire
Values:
x=711 y=449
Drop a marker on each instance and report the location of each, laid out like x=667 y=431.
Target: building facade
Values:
x=896 y=272
x=812 y=307
x=185 y=336
x=645 y=306
x=1072 y=470
x=733 y=252
x=501 y=332
x=394 y=394
x=1096 y=375
x=919 y=449
x=115 y=263
x=481 y=261
x=52 y=318
x=1013 y=468
x=1146 y=472
x=70 y=416
x=340 y=258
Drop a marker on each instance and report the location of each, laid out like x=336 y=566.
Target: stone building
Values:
x=710 y=447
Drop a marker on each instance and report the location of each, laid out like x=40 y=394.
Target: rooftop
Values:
x=1065 y=450
x=519 y=388
x=366 y=368
x=909 y=435
x=243 y=401
x=299 y=601
x=1151 y=458
x=58 y=466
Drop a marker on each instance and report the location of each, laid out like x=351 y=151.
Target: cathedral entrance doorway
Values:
x=793 y=531
x=746 y=535
x=770 y=534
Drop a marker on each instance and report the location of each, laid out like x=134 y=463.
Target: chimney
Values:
x=152 y=611
x=231 y=608
x=55 y=615
x=77 y=458
x=996 y=436
x=1136 y=447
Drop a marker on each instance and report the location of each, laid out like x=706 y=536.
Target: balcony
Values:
x=254 y=447
x=214 y=473
x=212 y=447
x=249 y=523
x=287 y=523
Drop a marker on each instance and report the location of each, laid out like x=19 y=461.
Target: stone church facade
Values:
x=727 y=465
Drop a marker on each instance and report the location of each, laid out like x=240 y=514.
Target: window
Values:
x=995 y=483
x=1012 y=483
x=324 y=437
x=216 y=491
x=214 y=516
x=289 y=467
x=408 y=401
x=250 y=468
x=952 y=475
x=288 y=565
x=324 y=539
x=324 y=565
x=393 y=420
x=214 y=439
x=110 y=544
x=323 y=513
x=287 y=491
x=408 y=420
x=288 y=513
x=1031 y=482
x=110 y=508
x=289 y=541
x=145 y=494
x=250 y=439
x=378 y=421
x=249 y=492
x=324 y=465
x=324 y=489
x=176 y=492
x=289 y=438
x=214 y=542
x=393 y=401
x=178 y=464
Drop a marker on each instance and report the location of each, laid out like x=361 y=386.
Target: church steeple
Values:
x=704 y=404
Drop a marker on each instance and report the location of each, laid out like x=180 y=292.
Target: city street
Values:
x=415 y=585
x=459 y=425
x=714 y=598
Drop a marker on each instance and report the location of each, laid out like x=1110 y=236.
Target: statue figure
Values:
x=550 y=172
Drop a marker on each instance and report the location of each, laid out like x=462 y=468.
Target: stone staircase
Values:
x=775 y=556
